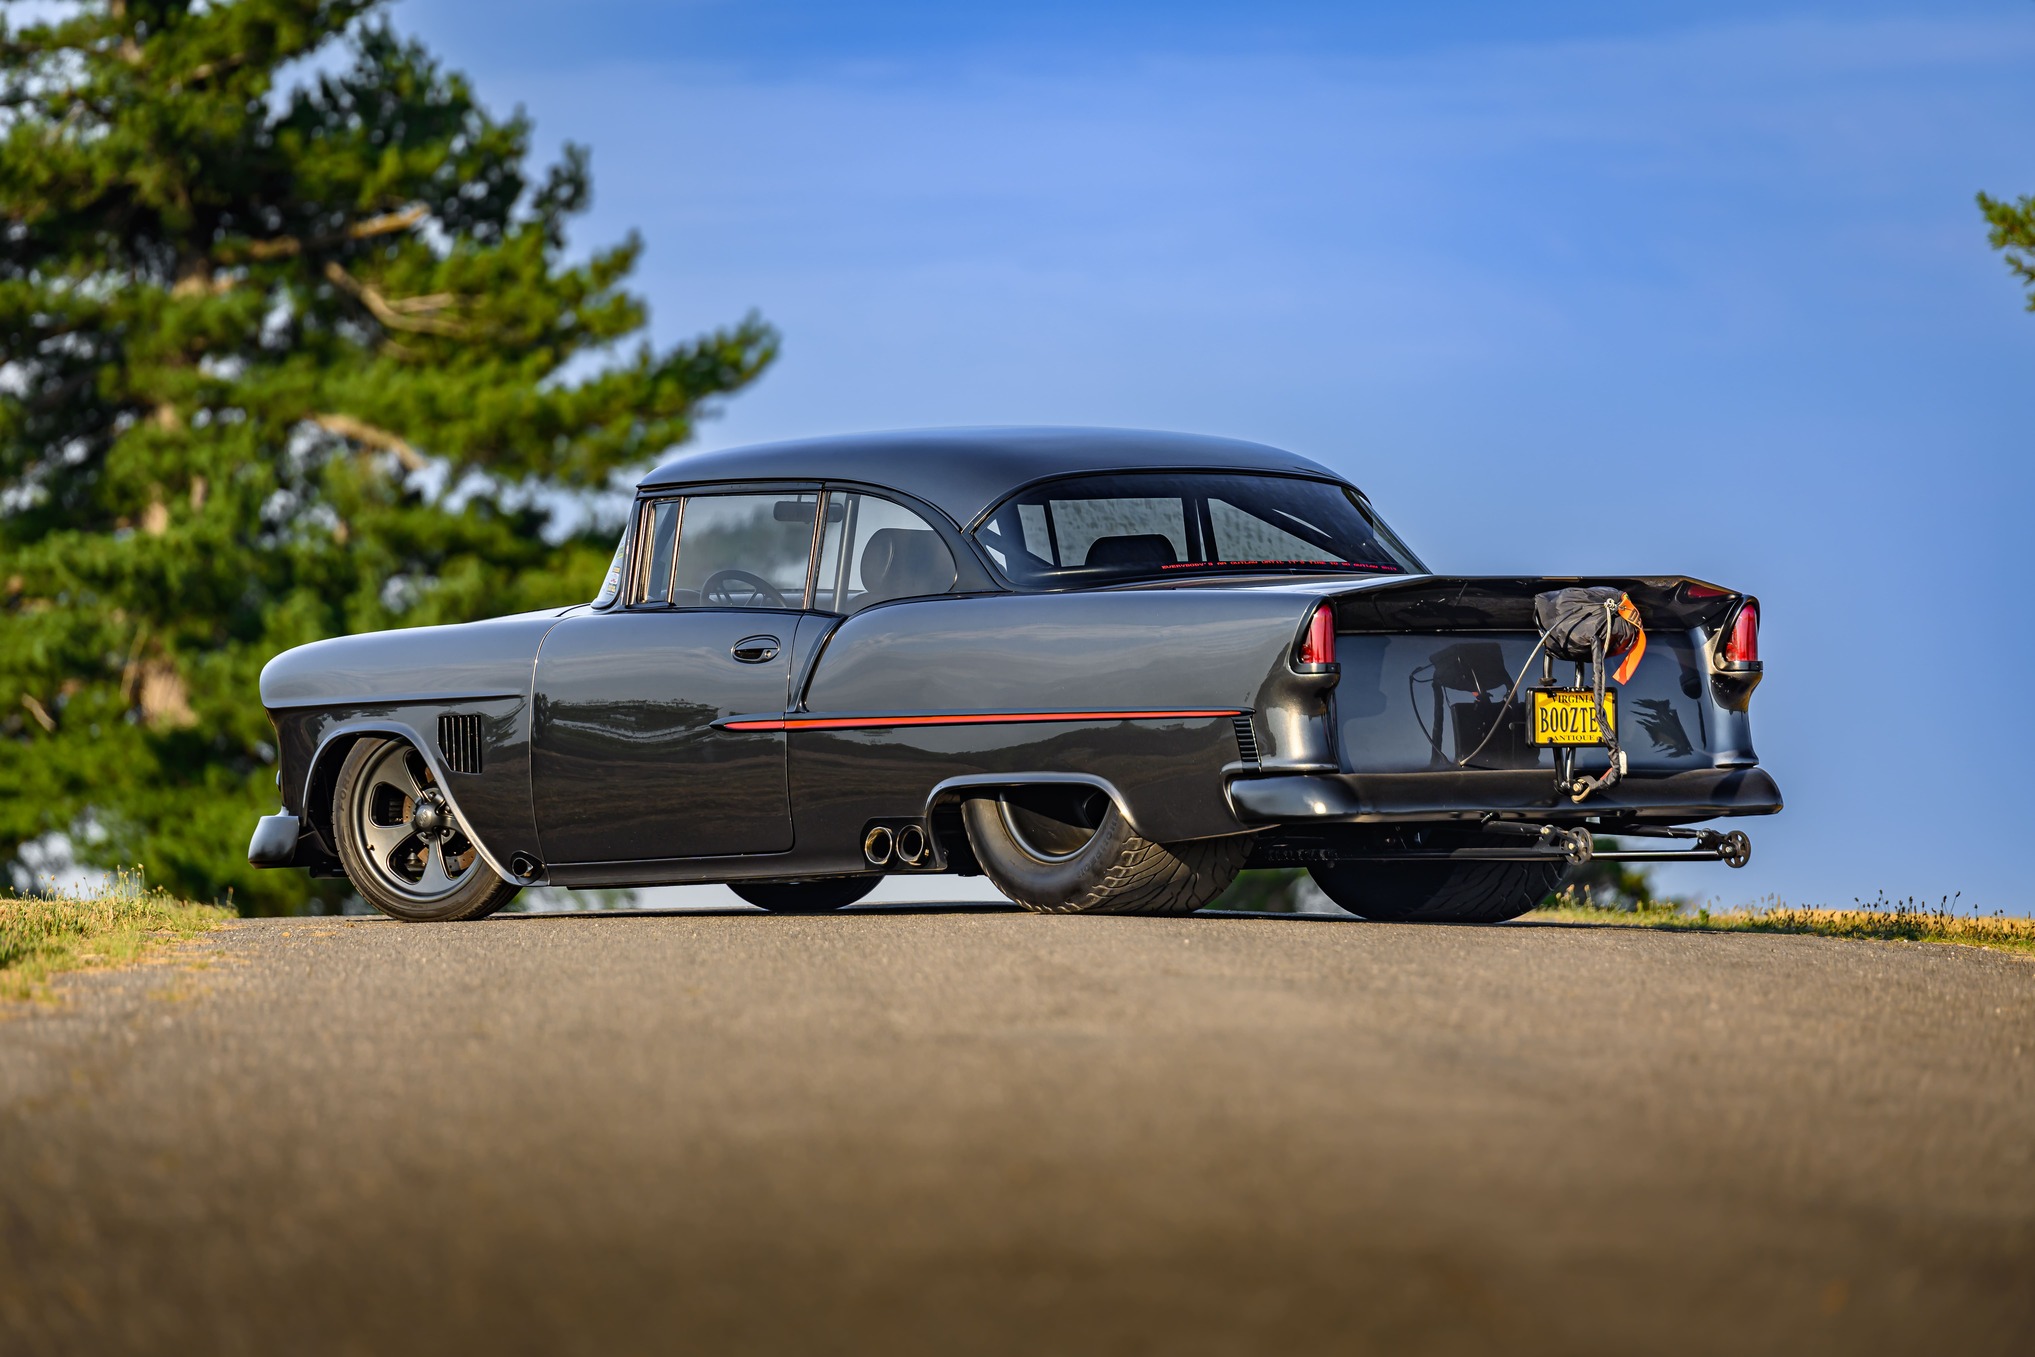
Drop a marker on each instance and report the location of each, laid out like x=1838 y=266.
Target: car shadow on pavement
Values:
x=749 y=911
x=902 y=908
x=936 y=907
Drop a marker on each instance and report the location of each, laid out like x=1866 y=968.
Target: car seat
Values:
x=904 y=563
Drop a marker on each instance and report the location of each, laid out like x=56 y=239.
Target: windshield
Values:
x=1159 y=524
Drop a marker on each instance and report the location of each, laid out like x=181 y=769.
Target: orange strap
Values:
x=1630 y=612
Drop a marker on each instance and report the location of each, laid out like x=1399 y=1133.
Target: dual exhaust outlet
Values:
x=905 y=845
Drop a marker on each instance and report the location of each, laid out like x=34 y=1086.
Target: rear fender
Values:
x=1213 y=655
x=1290 y=715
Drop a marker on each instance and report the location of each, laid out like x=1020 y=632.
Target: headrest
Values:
x=1138 y=549
x=904 y=563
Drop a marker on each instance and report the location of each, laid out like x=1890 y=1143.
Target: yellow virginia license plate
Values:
x=1569 y=715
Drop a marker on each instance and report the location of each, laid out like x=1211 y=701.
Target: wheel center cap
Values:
x=429 y=817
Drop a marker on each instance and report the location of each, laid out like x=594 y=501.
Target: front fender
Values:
x=338 y=739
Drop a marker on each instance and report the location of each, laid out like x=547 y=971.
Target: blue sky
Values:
x=1722 y=257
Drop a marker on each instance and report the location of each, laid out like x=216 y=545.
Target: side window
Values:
x=661 y=531
x=744 y=551
x=729 y=551
x=875 y=550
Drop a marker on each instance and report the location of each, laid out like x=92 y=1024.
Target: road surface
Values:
x=968 y=1131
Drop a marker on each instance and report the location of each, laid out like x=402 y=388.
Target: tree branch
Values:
x=205 y=284
x=205 y=70
x=381 y=440
x=404 y=313
x=287 y=247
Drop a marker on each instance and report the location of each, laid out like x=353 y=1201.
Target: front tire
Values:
x=1069 y=850
x=1438 y=892
x=822 y=896
x=401 y=844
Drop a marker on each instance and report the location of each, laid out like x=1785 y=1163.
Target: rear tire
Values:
x=1438 y=893
x=821 y=896
x=1069 y=850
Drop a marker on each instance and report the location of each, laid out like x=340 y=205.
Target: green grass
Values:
x=42 y=935
x=1883 y=919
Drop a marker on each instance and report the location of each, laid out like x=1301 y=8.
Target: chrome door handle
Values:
x=756 y=649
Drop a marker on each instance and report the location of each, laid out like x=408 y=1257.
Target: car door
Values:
x=627 y=761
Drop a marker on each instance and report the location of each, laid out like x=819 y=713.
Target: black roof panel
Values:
x=965 y=471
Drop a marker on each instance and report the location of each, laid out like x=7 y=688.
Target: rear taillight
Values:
x=1742 y=645
x=1318 y=646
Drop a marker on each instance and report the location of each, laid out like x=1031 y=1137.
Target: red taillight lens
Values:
x=1318 y=646
x=1742 y=645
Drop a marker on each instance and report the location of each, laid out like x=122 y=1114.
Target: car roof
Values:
x=966 y=471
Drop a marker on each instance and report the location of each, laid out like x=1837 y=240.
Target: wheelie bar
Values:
x=1733 y=847
x=1552 y=843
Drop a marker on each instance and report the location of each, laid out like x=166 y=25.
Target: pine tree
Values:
x=2013 y=231
x=278 y=361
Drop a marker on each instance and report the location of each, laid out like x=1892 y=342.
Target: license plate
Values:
x=1569 y=715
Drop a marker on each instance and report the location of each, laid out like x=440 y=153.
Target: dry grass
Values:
x=42 y=935
x=1883 y=919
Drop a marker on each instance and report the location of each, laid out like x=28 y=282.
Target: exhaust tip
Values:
x=911 y=845
x=877 y=845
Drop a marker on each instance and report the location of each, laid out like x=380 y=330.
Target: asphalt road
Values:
x=980 y=1132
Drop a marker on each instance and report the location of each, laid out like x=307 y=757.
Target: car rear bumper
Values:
x=1384 y=798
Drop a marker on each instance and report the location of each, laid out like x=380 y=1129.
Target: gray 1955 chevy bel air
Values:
x=1106 y=669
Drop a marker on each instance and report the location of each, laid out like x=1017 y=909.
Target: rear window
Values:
x=1160 y=524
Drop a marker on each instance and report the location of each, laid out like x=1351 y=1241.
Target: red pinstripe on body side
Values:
x=966 y=719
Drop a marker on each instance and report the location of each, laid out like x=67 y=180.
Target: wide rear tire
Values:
x=1069 y=850
x=1438 y=893
x=823 y=895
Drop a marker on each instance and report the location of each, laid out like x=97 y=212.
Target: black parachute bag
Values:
x=1583 y=624
x=1588 y=624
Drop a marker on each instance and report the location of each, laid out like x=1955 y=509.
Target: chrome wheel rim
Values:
x=1056 y=829
x=406 y=827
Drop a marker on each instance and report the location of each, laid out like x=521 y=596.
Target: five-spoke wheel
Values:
x=401 y=842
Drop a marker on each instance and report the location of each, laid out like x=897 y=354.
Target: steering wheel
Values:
x=740 y=589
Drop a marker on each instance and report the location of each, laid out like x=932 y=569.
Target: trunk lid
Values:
x=1427 y=663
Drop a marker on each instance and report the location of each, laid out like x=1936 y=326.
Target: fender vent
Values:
x=1247 y=741
x=459 y=742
